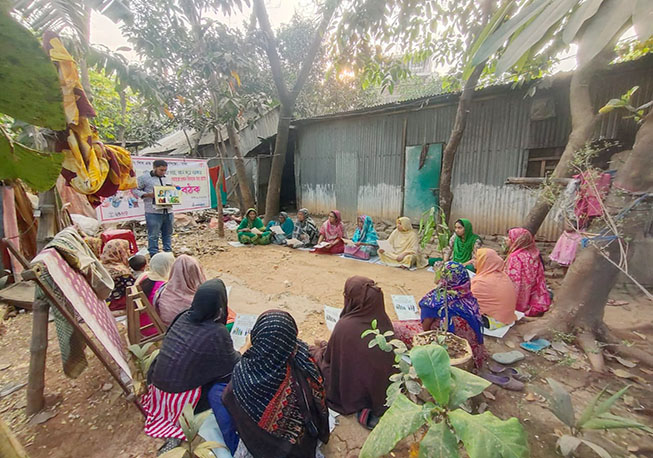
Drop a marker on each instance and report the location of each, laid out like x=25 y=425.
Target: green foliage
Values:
x=38 y=170
x=625 y=102
x=595 y=416
x=429 y=367
x=142 y=359
x=190 y=424
x=30 y=85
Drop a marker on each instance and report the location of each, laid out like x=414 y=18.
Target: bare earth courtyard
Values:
x=92 y=417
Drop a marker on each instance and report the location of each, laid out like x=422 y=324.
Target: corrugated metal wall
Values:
x=367 y=152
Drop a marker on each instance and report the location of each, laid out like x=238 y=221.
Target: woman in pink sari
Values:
x=177 y=294
x=525 y=268
x=331 y=234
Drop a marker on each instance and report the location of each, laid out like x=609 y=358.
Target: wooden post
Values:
x=218 y=192
x=40 y=311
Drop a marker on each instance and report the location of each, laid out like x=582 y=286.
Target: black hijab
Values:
x=197 y=348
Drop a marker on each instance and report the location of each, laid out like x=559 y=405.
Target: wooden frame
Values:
x=32 y=274
x=137 y=303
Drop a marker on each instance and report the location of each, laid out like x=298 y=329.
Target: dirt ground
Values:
x=92 y=417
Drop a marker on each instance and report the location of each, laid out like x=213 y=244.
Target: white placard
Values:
x=406 y=307
x=191 y=176
x=331 y=316
x=242 y=327
x=384 y=245
x=277 y=230
x=500 y=333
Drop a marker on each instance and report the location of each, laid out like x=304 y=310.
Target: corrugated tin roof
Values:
x=176 y=144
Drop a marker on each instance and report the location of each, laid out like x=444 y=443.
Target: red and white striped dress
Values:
x=163 y=411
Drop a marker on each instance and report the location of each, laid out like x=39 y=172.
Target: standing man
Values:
x=158 y=218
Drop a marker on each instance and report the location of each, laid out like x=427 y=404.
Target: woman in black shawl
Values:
x=356 y=376
x=276 y=395
x=194 y=366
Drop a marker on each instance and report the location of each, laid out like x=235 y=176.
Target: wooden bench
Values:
x=138 y=303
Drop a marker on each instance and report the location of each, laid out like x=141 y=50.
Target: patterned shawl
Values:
x=306 y=231
x=460 y=301
x=247 y=223
x=115 y=258
x=368 y=233
x=265 y=384
x=335 y=231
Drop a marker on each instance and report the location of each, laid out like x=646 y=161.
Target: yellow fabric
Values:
x=403 y=241
x=68 y=79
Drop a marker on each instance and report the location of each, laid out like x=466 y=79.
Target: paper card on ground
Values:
x=500 y=333
x=384 y=245
x=235 y=244
x=406 y=307
x=242 y=327
x=293 y=242
x=277 y=230
x=228 y=291
x=331 y=316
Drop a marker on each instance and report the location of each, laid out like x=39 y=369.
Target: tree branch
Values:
x=307 y=65
x=271 y=49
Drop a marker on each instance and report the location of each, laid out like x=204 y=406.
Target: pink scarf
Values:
x=185 y=277
x=332 y=232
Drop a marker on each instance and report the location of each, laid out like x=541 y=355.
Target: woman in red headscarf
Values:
x=525 y=268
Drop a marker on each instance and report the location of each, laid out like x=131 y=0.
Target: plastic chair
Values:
x=124 y=234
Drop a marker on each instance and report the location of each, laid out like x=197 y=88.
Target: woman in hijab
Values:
x=331 y=234
x=151 y=281
x=463 y=244
x=525 y=268
x=493 y=289
x=356 y=376
x=276 y=396
x=252 y=231
x=464 y=314
x=404 y=247
x=194 y=365
x=365 y=240
x=305 y=230
x=115 y=258
x=286 y=225
x=177 y=294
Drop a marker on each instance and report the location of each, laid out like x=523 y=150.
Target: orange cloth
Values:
x=492 y=288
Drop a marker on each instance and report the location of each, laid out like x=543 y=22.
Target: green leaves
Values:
x=29 y=81
x=602 y=28
x=486 y=436
x=404 y=417
x=643 y=19
x=560 y=403
x=465 y=386
x=578 y=18
x=431 y=362
x=439 y=442
x=38 y=170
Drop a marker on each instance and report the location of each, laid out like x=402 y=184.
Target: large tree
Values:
x=594 y=25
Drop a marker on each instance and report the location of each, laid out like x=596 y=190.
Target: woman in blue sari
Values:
x=365 y=240
x=287 y=226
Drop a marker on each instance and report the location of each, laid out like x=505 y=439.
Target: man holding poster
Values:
x=158 y=218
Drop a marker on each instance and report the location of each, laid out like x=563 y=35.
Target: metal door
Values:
x=422 y=185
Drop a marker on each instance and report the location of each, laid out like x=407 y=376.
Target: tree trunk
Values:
x=580 y=302
x=278 y=161
x=287 y=98
x=449 y=153
x=583 y=121
x=241 y=171
x=39 y=342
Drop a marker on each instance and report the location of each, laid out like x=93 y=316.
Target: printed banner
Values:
x=93 y=311
x=191 y=176
x=406 y=307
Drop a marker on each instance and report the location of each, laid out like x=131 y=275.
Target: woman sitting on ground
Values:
x=331 y=234
x=115 y=258
x=525 y=268
x=305 y=230
x=462 y=244
x=286 y=225
x=177 y=294
x=404 y=247
x=151 y=281
x=194 y=366
x=356 y=376
x=276 y=396
x=493 y=289
x=252 y=231
x=365 y=240
x=465 y=318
